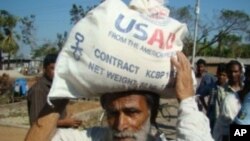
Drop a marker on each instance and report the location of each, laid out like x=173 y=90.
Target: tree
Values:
x=45 y=49
x=9 y=38
x=28 y=30
x=9 y=46
x=185 y=15
x=229 y=24
x=50 y=47
x=8 y=43
x=61 y=39
x=245 y=51
x=228 y=31
x=77 y=13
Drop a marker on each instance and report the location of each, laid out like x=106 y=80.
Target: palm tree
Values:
x=7 y=42
x=44 y=49
x=9 y=45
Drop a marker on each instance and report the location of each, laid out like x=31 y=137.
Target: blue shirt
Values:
x=208 y=81
x=243 y=117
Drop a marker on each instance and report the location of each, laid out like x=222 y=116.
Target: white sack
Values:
x=118 y=48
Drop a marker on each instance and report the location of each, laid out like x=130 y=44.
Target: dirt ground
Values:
x=8 y=133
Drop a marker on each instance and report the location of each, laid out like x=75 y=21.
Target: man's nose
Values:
x=122 y=123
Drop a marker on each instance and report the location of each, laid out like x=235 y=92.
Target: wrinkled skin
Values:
x=128 y=117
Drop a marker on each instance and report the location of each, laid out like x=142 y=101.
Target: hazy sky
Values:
x=52 y=16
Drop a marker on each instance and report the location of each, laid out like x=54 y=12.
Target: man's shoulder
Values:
x=89 y=134
x=40 y=82
x=97 y=130
x=209 y=79
x=209 y=76
x=229 y=89
x=231 y=98
x=39 y=86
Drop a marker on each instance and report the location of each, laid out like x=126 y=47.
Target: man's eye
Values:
x=112 y=113
x=131 y=111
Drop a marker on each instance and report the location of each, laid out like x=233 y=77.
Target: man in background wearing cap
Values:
x=130 y=115
x=37 y=95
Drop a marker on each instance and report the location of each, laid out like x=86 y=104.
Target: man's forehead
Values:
x=222 y=73
x=127 y=102
x=145 y=96
x=125 y=97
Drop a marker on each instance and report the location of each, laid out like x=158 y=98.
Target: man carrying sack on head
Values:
x=129 y=57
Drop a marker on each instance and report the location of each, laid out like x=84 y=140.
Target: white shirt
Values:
x=229 y=111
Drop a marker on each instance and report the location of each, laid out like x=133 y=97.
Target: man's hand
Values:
x=184 y=82
x=69 y=122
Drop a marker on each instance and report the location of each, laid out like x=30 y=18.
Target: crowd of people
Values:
x=221 y=96
x=220 y=100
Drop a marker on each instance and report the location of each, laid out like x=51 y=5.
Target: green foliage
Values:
x=184 y=14
x=9 y=38
x=226 y=35
x=9 y=45
x=8 y=42
x=27 y=30
x=245 y=53
x=7 y=20
x=238 y=20
x=45 y=49
x=61 y=39
x=77 y=13
x=222 y=36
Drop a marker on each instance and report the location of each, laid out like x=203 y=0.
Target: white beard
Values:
x=141 y=135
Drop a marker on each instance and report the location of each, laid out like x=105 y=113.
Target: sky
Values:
x=52 y=16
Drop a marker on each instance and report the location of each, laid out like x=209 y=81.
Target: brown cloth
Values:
x=37 y=99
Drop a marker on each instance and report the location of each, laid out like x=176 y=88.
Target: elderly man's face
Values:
x=128 y=117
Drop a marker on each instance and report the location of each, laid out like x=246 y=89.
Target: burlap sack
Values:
x=118 y=48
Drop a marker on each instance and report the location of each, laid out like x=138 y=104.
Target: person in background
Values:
x=130 y=115
x=217 y=95
x=205 y=82
x=235 y=74
x=243 y=117
x=37 y=95
x=5 y=83
x=232 y=102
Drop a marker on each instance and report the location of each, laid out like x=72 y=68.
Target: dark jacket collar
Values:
x=46 y=81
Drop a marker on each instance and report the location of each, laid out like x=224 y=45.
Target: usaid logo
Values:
x=140 y=31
